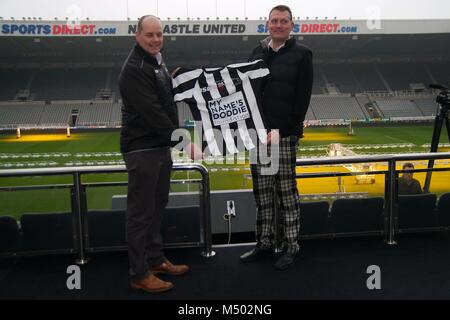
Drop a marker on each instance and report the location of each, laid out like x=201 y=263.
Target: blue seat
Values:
x=314 y=218
x=416 y=211
x=106 y=228
x=9 y=234
x=357 y=215
x=47 y=231
x=444 y=209
x=181 y=225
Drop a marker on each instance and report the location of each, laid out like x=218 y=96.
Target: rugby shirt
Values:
x=226 y=101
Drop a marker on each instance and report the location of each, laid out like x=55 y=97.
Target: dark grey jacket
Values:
x=149 y=114
x=287 y=90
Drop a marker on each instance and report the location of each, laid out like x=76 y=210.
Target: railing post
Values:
x=78 y=211
x=391 y=201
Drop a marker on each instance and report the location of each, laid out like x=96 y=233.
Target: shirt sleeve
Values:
x=140 y=91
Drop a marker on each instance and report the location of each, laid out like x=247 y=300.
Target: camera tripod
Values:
x=441 y=117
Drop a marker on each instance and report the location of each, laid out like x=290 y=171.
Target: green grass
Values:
x=12 y=152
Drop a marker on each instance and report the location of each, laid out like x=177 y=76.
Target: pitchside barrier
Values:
x=82 y=231
x=69 y=232
x=393 y=222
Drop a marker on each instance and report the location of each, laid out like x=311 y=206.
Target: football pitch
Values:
x=101 y=147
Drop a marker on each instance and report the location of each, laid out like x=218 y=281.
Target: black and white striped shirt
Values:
x=225 y=100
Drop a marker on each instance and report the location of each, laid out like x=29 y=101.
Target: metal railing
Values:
x=79 y=199
x=390 y=192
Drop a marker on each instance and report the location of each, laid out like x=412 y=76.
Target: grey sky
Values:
x=253 y=9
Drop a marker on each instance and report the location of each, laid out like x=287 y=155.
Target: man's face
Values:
x=408 y=175
x=280 y=25
x=150 y=38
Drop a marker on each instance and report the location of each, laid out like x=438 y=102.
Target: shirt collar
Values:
x=276 y=50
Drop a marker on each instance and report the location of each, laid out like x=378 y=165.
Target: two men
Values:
x=149 y=118
x=285 y=100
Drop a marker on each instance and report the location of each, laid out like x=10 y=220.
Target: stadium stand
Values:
x=333 y=107
x=400 y=75
x=310 y=115
x=319 y=86
x=19 y=114
x=116 y=115
x=56 y=115
x=341 y=75
x=440 y=72
x=367 y=77
x=398 y=108
x=13 y=80
x=427 y=105
x=97 y=113
x=68 y=84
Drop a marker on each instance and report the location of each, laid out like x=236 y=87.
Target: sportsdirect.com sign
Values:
x=92 y=29
x=317 y=28
x=208 y=28
x=56 y=29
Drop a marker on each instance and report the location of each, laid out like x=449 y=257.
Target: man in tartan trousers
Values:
x=285 y=101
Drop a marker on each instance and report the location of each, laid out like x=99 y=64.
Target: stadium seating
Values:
x=367 y=77
x=400 y=75
x=106 y=228
x=336 y=107
x=444 y=210
x=314 y=218
x=440 y=72
x=341 y=75
x=47 y=231
x=416 y=211
x=9 y=234
x=97 y=113
x=333 y=81
x=319 y=84
x=427 y=105
x=181 y=225
x=116 y=115
x=67 y=84
x=398 y=108
x=19 y=114
x=357 y=215
x=12 y=80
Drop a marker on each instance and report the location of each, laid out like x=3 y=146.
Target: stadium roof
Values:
x=25 y=43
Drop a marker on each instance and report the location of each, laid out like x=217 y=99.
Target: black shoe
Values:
x=285 y=261
x=254 y=254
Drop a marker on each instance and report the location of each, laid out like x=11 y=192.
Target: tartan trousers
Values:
x=285 y=185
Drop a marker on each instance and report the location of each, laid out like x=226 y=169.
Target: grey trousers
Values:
x=148 y=194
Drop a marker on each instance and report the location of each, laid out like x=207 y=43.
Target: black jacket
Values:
x=287 y=90
x=149 y=114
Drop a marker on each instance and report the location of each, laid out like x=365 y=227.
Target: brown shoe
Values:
x=151 y=284
x=168 y=268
